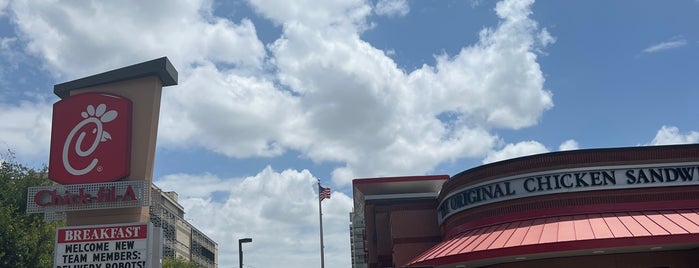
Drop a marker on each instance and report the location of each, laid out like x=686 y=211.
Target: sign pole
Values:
x=320 y=210
x=103 y=136
x=141 y=84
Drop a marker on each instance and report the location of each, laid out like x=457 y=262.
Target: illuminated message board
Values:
x=104 y=246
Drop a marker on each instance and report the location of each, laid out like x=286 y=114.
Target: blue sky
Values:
x=274 y=95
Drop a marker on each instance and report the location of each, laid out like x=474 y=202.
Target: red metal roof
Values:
x=565 y=233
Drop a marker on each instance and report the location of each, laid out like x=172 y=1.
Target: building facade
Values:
x=398 y=216
x=615 y=207
x=357 y=238
x=180 y=238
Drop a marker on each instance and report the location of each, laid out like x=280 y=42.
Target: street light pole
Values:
x=240 y=249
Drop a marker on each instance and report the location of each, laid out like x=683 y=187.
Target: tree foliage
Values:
x=179 y=262
x=25 y=239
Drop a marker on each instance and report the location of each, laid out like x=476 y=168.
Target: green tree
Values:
x=25 y=239
x=179 y=262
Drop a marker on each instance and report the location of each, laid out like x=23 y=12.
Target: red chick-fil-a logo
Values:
x=91 y=116
x=90 y=139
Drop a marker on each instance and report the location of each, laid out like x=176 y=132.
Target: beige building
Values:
x=180 y=238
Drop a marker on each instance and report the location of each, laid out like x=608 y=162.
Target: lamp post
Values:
x=240 y=249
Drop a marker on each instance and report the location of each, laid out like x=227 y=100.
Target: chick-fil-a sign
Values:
x=90 y=139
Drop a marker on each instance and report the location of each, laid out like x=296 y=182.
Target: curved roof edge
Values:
x=580 y=157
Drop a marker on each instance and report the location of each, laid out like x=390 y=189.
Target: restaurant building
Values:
x=180 y=238
x=613 y=207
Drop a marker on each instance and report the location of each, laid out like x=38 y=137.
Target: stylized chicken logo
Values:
x=90 y=138
x=91 y=116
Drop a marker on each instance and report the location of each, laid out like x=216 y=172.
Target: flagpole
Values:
x=320 y=209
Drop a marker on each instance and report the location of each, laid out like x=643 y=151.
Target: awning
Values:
x=565 y=233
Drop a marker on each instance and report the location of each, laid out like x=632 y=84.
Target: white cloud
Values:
x=515 y=150
x=525 y=148
x=569 y=145
x=545 y=38
x=392 y=8
x=338 y=13
x=278 y=210
x=229 y=113
x=319 y=89
x=676 y=42
x=671 y=135
x=335 y=72
x=475 y=3
x=500 y=75
x=333 y=98
x=7 y=50
x=25 y=129
x=122 y=33
x=3 y=6
x=12 y=57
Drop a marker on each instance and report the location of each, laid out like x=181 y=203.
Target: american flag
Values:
x=324 y=193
